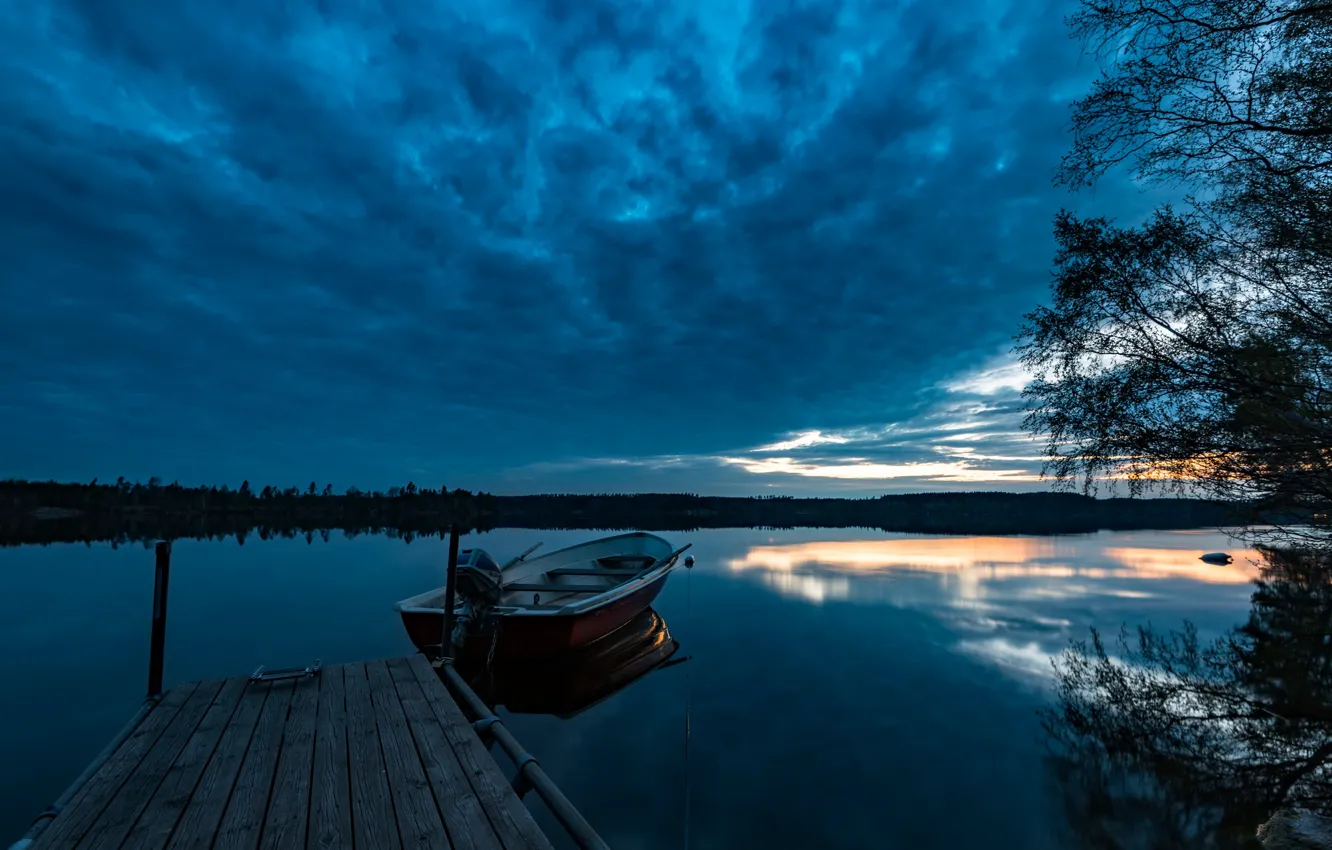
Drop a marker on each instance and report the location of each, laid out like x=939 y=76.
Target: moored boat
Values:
x=542 y=606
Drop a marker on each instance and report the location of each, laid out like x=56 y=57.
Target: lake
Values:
x=845 y=688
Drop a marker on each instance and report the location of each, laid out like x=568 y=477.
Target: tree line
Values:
x=123 y=511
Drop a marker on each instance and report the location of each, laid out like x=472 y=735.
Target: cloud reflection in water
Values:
x=1015 y=601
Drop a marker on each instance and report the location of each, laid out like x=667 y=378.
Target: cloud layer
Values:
x=457 y=241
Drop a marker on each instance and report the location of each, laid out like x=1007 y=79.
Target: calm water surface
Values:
x=847 y=688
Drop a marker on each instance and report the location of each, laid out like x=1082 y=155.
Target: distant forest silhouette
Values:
x=33 y=512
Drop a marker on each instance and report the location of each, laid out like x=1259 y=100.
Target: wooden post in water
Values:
x=450 y=580
x=157 y=642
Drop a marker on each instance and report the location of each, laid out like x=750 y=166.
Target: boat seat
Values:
x=626 y=559
x=540 y=587
x=592 y=571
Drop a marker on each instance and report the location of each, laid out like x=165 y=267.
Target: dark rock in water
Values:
x=1296 y=829
x=1219 y=558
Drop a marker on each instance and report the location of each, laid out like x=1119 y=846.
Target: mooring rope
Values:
x=490 y=656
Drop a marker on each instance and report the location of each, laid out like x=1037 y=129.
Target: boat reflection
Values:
x=568 y=684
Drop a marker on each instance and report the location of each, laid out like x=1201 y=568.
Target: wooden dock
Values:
x=373 y=755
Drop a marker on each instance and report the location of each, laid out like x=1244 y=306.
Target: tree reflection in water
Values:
x=1170 y=740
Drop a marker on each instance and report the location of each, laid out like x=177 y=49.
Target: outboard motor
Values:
x=478 y=577
x=478 y=586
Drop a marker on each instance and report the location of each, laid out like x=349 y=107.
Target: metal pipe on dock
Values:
x=44 y=819
x=156 y=660
x=529 y=770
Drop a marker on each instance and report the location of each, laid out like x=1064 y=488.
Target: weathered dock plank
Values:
x=330 y=796
x=419 y=821
x=203 y=813
x=512 y=821
x=362 y=756
x=92 y=799
x=244 y=817
x=164 y=810
x=131 y=802
x=465 y=820
x=373 y=824
x=289 y=808
x=119 y=817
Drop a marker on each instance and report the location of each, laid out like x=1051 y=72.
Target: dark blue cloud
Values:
x=492 y=243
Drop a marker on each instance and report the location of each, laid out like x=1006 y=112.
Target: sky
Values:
x=564 y=246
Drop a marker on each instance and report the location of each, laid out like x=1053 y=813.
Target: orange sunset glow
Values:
x=997 y=558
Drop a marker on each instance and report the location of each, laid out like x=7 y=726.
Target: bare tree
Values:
x=1195 y=350
x=1216 y=91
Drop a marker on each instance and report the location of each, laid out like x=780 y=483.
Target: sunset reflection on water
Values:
x=1013 y=602
x=969 y=568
